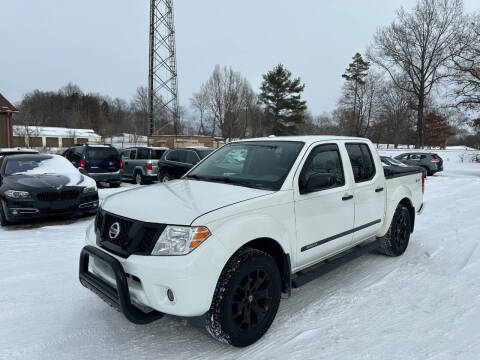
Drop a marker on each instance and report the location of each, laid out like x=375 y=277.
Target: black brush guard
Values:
x=119 y=298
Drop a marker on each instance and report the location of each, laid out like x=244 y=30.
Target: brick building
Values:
x=6 y=129
x=177 y=141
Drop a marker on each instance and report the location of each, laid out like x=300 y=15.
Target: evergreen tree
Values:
x=355 y=74
x=281 y=97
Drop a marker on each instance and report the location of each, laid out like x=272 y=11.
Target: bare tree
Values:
x=420 y=44
x=466 y=75
x=229 y=95
x=199 y=102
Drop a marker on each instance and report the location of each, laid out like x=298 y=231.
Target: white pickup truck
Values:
x=227 y=239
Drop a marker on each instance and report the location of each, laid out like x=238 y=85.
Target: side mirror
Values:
x=319 y=181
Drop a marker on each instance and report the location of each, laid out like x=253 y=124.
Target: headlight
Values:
x=89 y=189
x=180 y=240
x=15 y=194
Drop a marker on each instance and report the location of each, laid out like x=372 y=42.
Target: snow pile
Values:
x=422 y=305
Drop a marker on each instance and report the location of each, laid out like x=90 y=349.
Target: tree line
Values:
x=417 y=83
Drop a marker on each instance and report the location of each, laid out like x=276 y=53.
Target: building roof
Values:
x=53 y=131
x=6 y=106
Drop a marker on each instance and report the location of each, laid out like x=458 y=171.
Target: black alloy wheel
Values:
x=251 y=300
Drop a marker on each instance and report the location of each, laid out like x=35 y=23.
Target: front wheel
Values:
x=395 y=241
x=3 y=219
x=164 y=178
x=246 y=298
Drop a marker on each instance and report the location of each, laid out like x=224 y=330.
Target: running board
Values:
x=309 y=274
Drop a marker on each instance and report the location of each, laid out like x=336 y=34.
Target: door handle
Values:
x=347 y=197
x=380 y=189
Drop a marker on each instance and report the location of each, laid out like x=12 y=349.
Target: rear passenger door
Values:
x=368 y=191
x=324 y=216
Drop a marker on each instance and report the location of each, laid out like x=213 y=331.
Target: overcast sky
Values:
x=102 y=45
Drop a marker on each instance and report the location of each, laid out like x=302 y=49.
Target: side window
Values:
x=142 y=154
x=125 y=155
x=182 y=156
x=362 y=162
x=414 y=157
x=75 y=154
x=322 y=170
x=192 y=157
x=133 y=154
x=172 y=156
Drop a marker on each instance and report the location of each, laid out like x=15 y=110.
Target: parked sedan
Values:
x=430 y=162
x=176 y=162
x=388 y=161
x=34 y=186
x=17 y=151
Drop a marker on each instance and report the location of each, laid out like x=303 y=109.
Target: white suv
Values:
x=230 y=236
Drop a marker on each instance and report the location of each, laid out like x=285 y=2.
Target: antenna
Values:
x=162 y=73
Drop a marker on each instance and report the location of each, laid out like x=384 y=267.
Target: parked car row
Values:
x=141 y=164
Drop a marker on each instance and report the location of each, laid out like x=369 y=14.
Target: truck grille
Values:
x=134 y=237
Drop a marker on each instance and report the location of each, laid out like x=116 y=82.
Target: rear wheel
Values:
x=395 y=241
x=246 y=298
x=139 y=178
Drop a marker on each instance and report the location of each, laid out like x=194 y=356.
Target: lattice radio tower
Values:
x=162 y=74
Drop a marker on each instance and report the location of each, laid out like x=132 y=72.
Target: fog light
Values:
x=170 y=295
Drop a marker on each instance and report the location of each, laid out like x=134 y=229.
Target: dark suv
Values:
x=100 y=162
x=176 y=162
x=430 y=162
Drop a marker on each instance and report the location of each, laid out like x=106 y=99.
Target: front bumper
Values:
x=191 y=278
x=18 y=210
x=118 y=296
x=107 y=177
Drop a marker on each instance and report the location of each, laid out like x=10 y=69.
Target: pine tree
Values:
x=281 y=97
x=355 y=74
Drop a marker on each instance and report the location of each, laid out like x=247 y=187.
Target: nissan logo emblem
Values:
x=114 y=231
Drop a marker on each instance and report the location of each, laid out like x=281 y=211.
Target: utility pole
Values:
x=162 y=72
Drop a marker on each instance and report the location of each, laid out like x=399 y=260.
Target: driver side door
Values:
x=324 y=216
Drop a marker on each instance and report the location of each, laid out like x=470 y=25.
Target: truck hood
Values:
x=177 y=202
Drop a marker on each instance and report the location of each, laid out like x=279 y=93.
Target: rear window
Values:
x=102 y=153
x=362 y=162
x=156 y=154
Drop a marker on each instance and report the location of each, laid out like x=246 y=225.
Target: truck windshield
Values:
x=256 y=164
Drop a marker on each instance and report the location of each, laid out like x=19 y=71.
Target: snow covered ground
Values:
x=423 y=305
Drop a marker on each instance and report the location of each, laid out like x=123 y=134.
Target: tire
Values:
x=395 y=241
x=246 y=298
x=139 y=178
x=3 y=219
x=115 y=184
x=164 y=178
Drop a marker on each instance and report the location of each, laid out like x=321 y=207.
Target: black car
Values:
x=176 y=162
x=17 y=151
x=33 y=186
x=100 y=162
x=430 y=162
x=388 y=161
